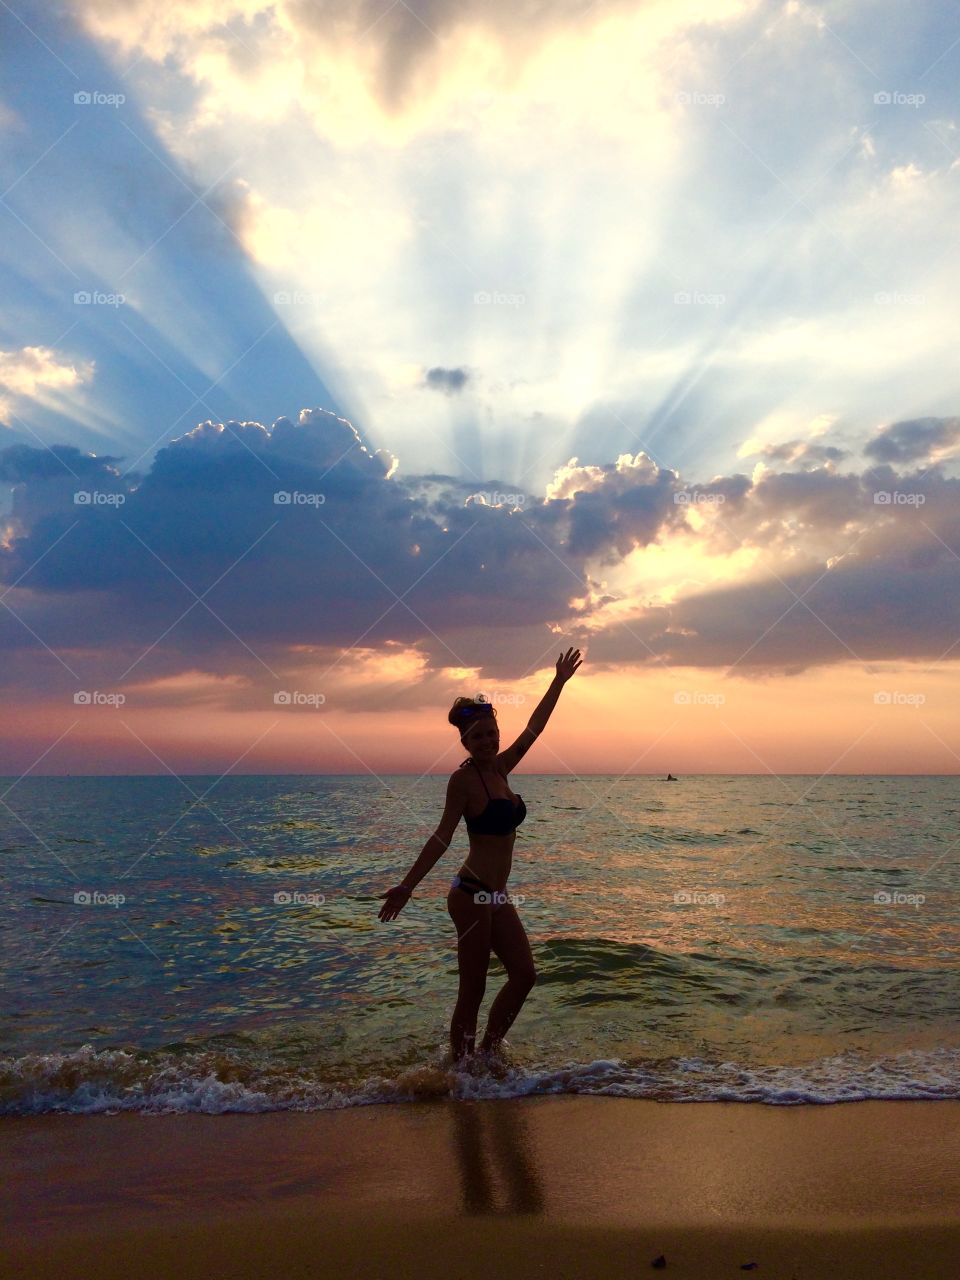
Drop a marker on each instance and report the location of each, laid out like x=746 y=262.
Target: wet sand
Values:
x=552 y=1187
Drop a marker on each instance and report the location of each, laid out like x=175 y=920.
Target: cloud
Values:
x=450 y=381
x=245 y=546
x=31 y=372
x=803 y=451
x=371 y=59
x=846 y=572
x=444 y=151
x=921 y=439
x=904 y=604
x=21 y=464
x=292 y=534
x=612 y=508
x=47 y=480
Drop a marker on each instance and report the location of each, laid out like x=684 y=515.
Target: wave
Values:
x=95 y=1082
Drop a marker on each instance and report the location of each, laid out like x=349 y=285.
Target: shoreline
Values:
x=584 y=1186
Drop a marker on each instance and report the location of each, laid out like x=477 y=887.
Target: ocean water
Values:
x=212 y=945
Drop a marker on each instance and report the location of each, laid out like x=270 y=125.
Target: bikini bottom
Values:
x=473 y=886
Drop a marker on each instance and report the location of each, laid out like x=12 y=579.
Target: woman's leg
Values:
x=509 y=940
x=472 y=922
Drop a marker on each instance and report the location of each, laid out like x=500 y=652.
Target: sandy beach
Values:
x=548 y=1187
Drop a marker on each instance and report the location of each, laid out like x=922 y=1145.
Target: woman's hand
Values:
x=397 y=899
x=567 y=664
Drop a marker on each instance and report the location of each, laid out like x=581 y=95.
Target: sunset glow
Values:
x=352 y=364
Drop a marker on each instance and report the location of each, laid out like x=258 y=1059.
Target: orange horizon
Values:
x=825 y=721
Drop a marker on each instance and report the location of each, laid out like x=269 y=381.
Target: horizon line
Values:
x=440 y=773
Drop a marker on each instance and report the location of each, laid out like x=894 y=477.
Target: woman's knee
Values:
x=471 y=993
x=524 y=976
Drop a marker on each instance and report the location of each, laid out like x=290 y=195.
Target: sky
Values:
x=355 y=356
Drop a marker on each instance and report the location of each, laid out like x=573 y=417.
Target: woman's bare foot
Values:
x=481 y=1062
x=495 y=1058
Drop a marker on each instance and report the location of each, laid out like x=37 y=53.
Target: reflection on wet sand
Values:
x=498 y=1168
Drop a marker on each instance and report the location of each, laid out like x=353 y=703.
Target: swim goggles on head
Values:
x=482 y=709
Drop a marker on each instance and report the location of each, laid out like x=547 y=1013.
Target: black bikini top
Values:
x=500 y=817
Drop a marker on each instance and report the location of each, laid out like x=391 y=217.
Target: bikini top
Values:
x=500 y=817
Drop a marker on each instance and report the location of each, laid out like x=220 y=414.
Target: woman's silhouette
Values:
x=477 y=900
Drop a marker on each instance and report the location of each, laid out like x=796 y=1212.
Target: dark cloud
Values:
x=296 y=538
x=784 y=507
x=915 y=440
x=21 y=463
x=52 y=480
x=450 y=381
x=878 y=580
x=609 y=510
x=904 y=606
x=804 y=452
x=291 y=535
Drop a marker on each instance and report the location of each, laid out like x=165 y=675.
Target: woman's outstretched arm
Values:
x=430 y=854
x=567 y=664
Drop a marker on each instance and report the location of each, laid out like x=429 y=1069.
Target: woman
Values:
x=477 y=900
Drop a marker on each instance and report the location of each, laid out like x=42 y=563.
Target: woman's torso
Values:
x=491 y=856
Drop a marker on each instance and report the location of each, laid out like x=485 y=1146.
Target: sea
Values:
x=212 y=944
